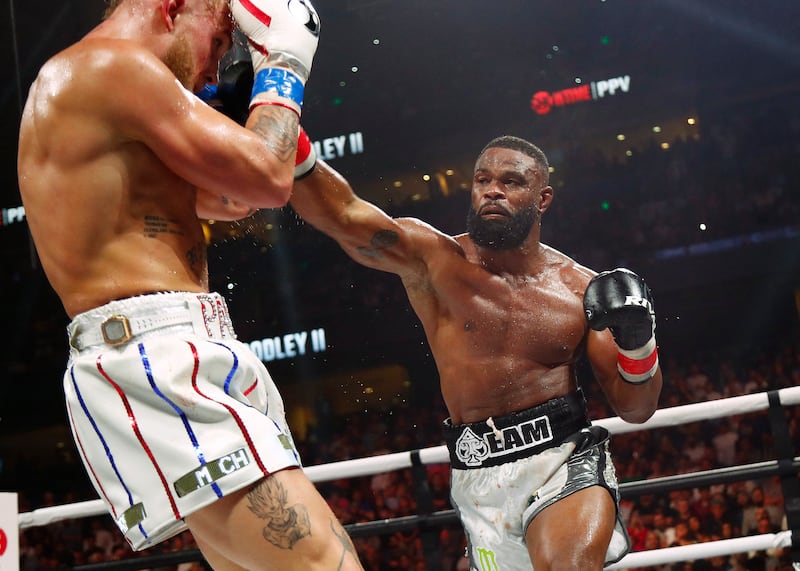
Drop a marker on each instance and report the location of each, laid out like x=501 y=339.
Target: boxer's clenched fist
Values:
x=282 y=36
x=621 y=301
x=279 y=31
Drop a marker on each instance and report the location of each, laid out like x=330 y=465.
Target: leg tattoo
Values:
x=285 y=525
x=347 y=545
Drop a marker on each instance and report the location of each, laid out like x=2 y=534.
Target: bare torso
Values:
x=109 y=219
x=502 y=342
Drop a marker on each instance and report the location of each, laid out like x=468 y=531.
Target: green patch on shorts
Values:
x=210 y=472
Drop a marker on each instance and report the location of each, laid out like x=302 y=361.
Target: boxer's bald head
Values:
x=523 y=146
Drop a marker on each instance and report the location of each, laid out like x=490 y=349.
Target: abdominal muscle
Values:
x=129 y=264
x=474 y=394
x=116 y=225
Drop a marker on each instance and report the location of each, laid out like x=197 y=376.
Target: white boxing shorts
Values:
x=169 y=411
x=505 y=470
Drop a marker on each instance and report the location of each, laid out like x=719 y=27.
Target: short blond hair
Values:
x=112 y=5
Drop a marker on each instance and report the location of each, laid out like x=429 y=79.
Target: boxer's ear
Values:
x=169 y=10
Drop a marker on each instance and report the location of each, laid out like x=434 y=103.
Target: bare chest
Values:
x=541 y=323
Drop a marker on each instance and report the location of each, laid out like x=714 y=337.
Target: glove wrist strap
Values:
x=638 y=366
x=277 y=86
x=306 y=159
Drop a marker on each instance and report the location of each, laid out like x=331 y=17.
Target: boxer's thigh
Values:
x=574 y=532
x=281 y=522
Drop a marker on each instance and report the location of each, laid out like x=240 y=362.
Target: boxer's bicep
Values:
x=375 y=239
x=213 y=152
x=199 y=144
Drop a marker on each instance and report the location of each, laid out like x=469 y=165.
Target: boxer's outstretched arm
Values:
x=371 y=237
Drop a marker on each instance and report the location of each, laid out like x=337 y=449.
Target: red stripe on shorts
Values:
x=230 y=410
x=145 y=447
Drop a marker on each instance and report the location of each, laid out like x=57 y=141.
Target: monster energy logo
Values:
x=486 y=560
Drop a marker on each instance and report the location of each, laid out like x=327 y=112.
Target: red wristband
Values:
x=638 y=370
x=306 y=156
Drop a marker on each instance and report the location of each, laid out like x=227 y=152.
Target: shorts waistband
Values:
x=118 y=322
x=522 y=434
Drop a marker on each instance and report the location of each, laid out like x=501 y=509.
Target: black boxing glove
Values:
x=231 y=95
x=621 y=301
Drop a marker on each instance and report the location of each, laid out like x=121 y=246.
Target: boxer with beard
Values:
x=177 y=423
x=507 y=317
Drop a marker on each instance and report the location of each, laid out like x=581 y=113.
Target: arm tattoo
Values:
x=285 y=525
x=279 y=130
x=347 y=545
x=382 y=240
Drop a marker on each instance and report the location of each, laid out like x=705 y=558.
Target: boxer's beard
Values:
x=180 y=61
x=503 y=234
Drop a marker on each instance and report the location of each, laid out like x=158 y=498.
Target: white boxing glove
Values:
x=282 y=36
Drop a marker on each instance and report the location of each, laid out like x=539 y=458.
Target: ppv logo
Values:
x=542 y=102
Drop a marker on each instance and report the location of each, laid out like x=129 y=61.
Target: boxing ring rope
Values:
x=665 y=417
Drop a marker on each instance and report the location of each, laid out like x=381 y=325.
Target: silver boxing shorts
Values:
x=505 y=470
